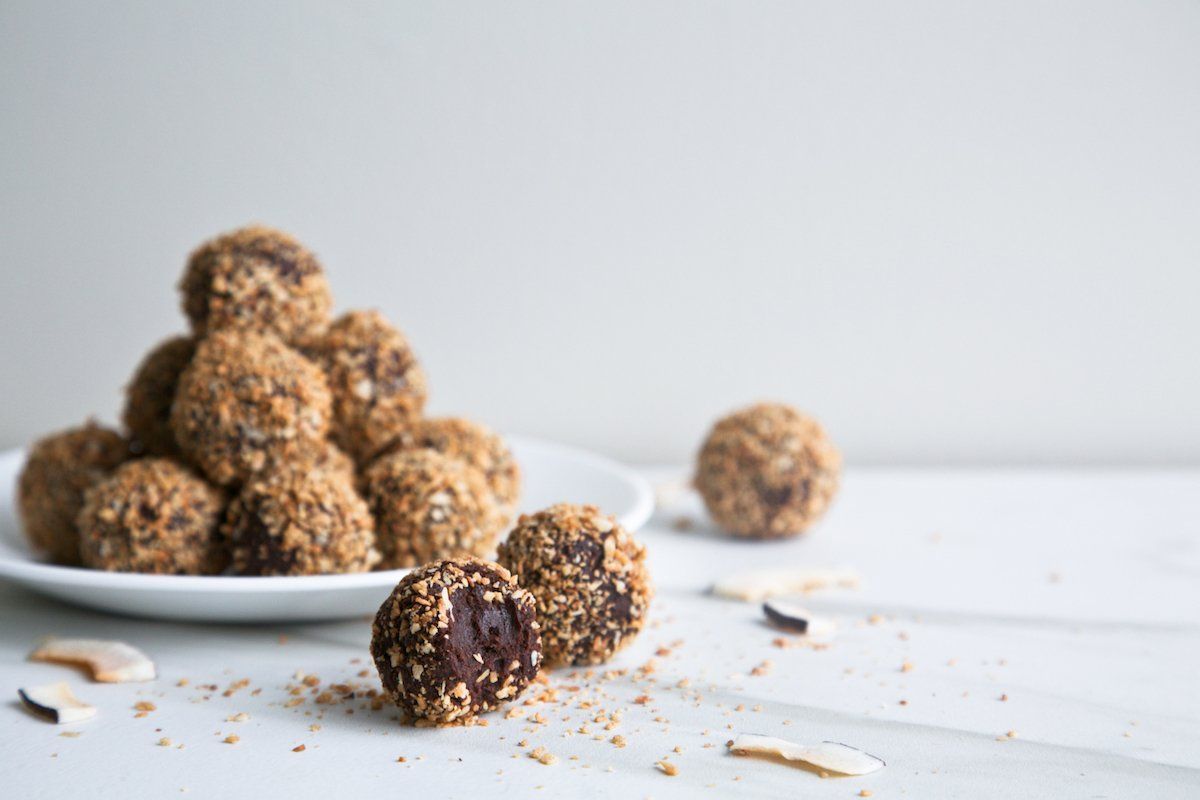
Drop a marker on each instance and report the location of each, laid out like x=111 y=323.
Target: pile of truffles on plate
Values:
x=272 y=440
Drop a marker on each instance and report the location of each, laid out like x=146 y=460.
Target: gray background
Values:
x=962 y=233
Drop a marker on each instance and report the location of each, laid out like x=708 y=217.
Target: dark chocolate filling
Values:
x=263 y=553
x=500 y=633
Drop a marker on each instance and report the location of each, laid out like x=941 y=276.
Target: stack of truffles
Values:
x=272 y=440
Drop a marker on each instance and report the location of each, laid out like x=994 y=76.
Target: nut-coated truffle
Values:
x=152 y=515
x=149 y=395
x=479 y=447
x=378 y=387
x=454 y=639
x=247 y=401
x=57 y=471
x=300 y=522
x=767 y=472
x=323 y=455
x=429 y=506
x=256 y=279
x=589 y=577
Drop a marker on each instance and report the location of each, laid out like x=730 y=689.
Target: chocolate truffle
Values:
x=256 y=279
x=245 y=402
x=589 y=578
x=429 y=506
x=323 y=455
x=57 y=471
x=455 y=638
x=479 y=447
x=149 y=395
x=300 y=522
x=378 y=387
x=152 y=515
x=767 y=472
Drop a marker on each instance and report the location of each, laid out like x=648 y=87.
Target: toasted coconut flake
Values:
x=109 y=661
x=829 y=756
x=759 y=584
x=797 y=619
x=57 y=703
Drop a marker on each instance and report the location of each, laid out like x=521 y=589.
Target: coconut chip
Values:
x=759 y=584
x=791 y=617
x=827 y=756
x=56 y=703
x=109 y=661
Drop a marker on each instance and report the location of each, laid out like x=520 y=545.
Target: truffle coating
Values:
x=429 y=506
x=313 y=455
x=57 y=471
x=454 y=639
x=378 y=387
x=152 y=515
x=479 y=447
x=149 y=395
x=300 y=522
x=767 y=472
x=324 y=455
x=257 y=279
x=589 y=577
x=247 y=401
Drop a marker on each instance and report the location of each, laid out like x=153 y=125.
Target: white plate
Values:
x=551 y=474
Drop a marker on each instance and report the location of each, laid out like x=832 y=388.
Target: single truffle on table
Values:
x=454 y=639
x=479 y=447
x=153 y=515
x=247 y=401
x=767 y=472
x=429 y=506
x=589 y=577
x=57 y=472
x=256 y=279
x=300 y=522
x=149 y=395
x=378 y=387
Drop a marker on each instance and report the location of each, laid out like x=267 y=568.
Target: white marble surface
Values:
x=1075 y=595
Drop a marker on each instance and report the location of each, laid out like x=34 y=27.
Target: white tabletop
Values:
x=1075 y=596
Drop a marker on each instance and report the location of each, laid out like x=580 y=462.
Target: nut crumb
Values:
x=543 y=756
x=299 y=748
x=667 y=768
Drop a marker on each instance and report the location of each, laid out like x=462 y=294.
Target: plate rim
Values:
x=24 y=570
